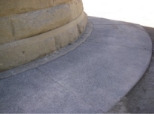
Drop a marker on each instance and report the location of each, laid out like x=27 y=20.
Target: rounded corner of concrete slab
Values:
x=92 y=78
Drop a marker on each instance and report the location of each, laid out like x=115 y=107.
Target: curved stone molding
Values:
x=20 y=26
x=22 y=51
x=10 y=7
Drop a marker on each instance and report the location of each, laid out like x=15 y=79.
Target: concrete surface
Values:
x=141 y=98
x=89 y=79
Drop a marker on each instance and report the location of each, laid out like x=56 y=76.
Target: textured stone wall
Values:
x=30 y=29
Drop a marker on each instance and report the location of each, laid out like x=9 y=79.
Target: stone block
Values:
x=11 y=7
x=29 y=24
x=22 y=51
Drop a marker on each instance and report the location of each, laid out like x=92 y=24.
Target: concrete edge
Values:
x=142 y=73
x=50 y=57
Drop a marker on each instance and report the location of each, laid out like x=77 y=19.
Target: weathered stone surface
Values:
x=30 y=29
x=76 y=7
x=57 y=2
x=29 y=24
x=70 y=32
x=6 y=30
x=20 y=52
x=9 y=7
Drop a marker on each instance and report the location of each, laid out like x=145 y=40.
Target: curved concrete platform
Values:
x=89 y=79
